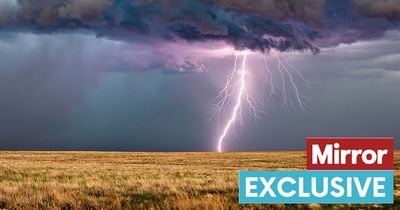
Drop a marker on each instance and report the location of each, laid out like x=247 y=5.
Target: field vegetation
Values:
x=122 y=180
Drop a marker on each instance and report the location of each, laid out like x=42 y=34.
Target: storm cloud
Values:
x=387 y=8
x=72 y=71
x=285 y=25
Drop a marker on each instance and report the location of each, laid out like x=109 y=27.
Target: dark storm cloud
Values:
x=310 y=11
x=387 y=8
x=344 y=23
x=256 y=25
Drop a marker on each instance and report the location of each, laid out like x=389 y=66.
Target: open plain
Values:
x=141 y=180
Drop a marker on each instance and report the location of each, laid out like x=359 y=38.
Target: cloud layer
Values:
x=285 y=25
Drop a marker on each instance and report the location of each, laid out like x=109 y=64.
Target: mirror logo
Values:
x=339 y=170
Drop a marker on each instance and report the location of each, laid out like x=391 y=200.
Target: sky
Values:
x=136 y=75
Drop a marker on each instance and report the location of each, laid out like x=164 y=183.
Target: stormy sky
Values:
x=139 y=75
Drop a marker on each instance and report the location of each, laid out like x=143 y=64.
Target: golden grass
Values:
x=118 y=180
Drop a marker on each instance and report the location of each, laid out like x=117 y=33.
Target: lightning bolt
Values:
x=235 y=87
x=238 y=104
x=282 y=68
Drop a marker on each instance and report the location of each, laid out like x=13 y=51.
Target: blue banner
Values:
x=316 y=187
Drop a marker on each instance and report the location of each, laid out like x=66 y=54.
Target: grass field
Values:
x=108 y=180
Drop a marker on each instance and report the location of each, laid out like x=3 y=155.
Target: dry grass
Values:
x=105 y=180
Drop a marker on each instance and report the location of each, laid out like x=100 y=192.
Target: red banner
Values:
x=350 y=153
